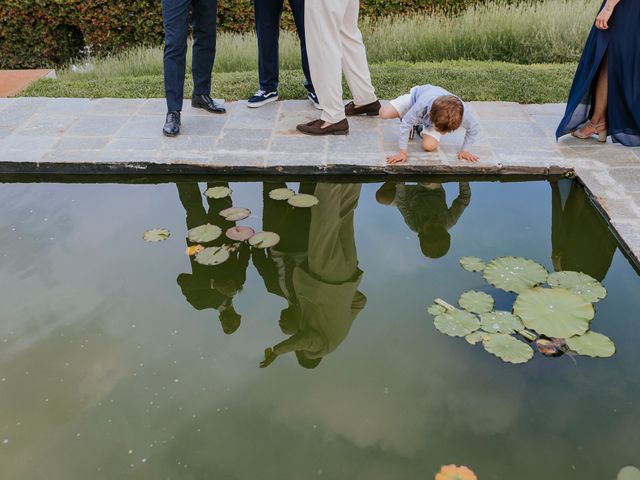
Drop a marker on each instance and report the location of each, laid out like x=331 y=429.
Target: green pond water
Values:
x=122 y=359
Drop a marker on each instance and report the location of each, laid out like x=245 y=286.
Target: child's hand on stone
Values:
x=400 y=157
x=467 y=156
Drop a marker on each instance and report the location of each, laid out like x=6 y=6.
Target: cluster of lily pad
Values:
x=556 y=317
x=208 y=233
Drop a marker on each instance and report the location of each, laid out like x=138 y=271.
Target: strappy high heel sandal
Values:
x=600 y=129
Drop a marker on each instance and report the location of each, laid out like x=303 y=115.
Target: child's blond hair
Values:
x=446 y=113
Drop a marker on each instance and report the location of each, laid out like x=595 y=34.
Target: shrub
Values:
x=552 y=31
x=36 y=33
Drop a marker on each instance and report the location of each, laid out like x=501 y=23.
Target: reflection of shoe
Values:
x=172 y=124
x=371 y=109
x=588 y=130
x=315 y=128
x=261 y=98
x=207 y=103
x=313 y=98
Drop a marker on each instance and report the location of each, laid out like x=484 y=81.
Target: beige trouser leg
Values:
x=334 y=44
x=354 y=57
x=332 y=245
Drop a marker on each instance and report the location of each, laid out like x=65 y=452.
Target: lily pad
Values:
x=156 y=235
x=281 y=194
x=507 y=348
x=580 y=283
x=204 y=233
x=234 y=214
x=475 y=337
x=240 y=234
x=500 y=322
x=217 y=192
x=514 y=274
x=212 y=256
x=592 y=344
x=457 y=323
x=472 y=264
x=436 y=310
x=264 y=240
x=303 y=200
x=476 y=302
x=628 y=473
x=554 y=312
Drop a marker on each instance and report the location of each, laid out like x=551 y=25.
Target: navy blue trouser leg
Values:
x=267 y=14
x=297 y=7
x=175 y=14
x=204 y=44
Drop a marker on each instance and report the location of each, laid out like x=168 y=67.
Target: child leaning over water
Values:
x=438 y=112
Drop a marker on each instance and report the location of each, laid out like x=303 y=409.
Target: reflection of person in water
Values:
x=425 y=211
x=213 y=286
x=324 y=288
x=276 y=265
x=580 y=238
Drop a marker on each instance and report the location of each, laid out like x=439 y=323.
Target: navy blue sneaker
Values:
x=313 y=98
x=261 y=98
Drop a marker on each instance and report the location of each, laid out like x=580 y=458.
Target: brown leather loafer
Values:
x=315 y=128
x=371 y=109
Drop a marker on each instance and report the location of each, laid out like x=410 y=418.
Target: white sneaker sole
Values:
x=264 y=102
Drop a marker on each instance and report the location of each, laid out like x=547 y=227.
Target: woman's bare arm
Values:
x=602 y=20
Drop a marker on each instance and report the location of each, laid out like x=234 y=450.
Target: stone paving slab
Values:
x=44 y=135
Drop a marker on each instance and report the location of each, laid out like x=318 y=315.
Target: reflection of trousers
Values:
x=334 y=45
x=332 y=246
x=175 y=14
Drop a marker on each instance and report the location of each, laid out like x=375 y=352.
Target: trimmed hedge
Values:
x=41 y=33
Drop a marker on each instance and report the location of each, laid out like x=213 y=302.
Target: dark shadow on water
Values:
x=580 y=237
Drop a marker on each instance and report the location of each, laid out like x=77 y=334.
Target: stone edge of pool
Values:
x=47 y=137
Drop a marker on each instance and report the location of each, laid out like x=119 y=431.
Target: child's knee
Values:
x=388 y=111
x=429 y=144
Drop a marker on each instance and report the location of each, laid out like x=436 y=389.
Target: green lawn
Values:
x=472 y=80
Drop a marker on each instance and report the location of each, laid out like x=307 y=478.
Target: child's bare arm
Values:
x=472 y=131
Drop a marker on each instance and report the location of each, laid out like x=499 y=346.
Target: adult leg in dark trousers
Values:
x=268 y=14
x=175 y=15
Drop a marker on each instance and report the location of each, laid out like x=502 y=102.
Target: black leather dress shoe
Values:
x=172 y=124
x=207 y=103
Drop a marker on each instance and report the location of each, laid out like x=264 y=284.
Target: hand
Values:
x=469 y=157
x=269 y=357
x=602 y=20
x=400 y=157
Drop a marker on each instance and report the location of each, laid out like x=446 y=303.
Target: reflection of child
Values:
x=438 y=112
x=425 y=211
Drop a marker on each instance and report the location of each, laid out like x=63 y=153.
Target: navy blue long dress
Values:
x=621 y=42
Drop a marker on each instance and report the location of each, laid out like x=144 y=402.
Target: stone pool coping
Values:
x=43 y=136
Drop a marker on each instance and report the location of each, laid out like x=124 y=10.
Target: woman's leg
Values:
x=601 y=96
x=599 y=104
